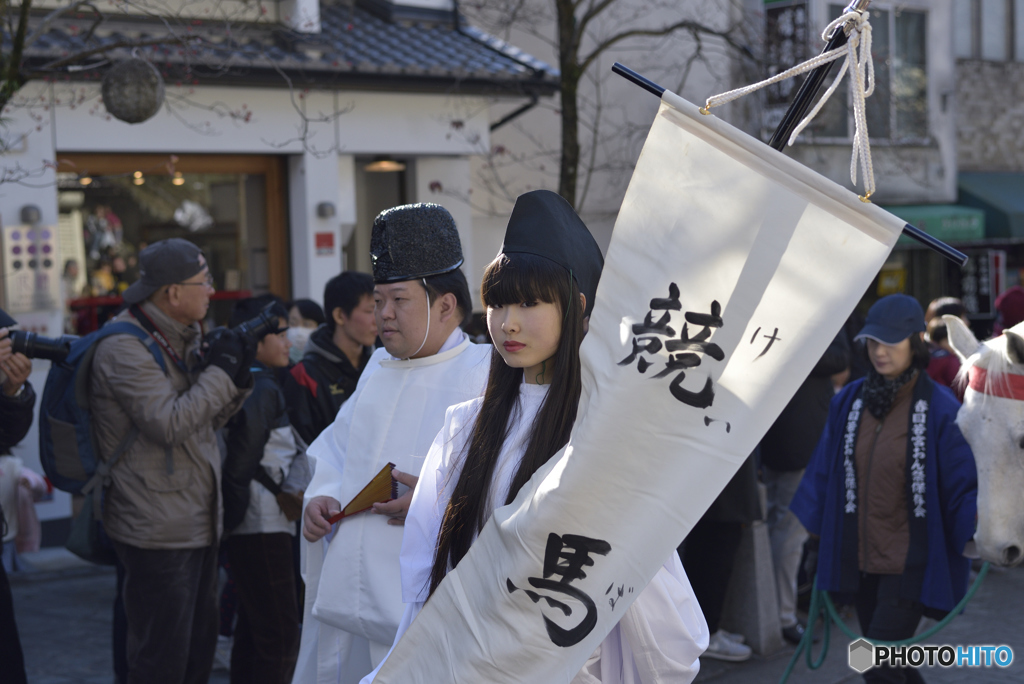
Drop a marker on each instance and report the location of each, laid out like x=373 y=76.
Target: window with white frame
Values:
x=989 y=29
x=898 y=109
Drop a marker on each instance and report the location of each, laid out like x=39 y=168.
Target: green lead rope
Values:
x=821 y=603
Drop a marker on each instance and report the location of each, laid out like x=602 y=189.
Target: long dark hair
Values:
x=512 y=279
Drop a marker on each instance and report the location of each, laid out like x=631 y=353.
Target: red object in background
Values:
x=87 y=308
x=324 y=244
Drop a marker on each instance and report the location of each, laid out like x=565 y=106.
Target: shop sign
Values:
x=892 y=280
x=324 y=244
x=981 y=281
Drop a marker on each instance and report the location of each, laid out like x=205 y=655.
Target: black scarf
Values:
x=879 y=393
x=917 y=448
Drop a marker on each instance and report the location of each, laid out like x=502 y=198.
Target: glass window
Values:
x=963 y=28
x=898 y=109
x=993 y=29
x=787 y=44
x=833 y=120
x=910 y=76
x=879 y=105
x=1018 y=30
x=114 y=213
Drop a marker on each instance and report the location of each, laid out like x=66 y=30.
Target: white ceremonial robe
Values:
x=353 y=589
x=659 y=638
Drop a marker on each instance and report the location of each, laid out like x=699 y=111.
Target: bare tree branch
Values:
x=693 y=27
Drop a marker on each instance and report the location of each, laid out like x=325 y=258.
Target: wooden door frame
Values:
x=271 y=167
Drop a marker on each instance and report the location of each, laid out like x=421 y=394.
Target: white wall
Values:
x=313 y=180
x=446 y=181
x=270 y=121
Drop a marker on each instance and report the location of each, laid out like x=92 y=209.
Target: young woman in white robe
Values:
x=491 y=446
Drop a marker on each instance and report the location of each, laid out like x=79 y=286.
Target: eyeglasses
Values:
x=208 y=281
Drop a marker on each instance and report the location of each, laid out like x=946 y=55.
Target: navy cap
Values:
x=164 y=263
x=5 y=320
x=893 y=319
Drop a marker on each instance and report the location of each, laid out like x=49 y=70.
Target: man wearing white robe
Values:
x=353 y=584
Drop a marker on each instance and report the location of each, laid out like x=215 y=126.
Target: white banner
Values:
x=730 y=270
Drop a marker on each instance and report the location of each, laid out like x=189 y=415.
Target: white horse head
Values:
x=992 y=421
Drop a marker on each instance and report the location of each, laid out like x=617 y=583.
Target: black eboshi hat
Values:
x=414 y=241
x=544 y=224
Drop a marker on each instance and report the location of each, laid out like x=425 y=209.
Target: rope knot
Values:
x=857 y=53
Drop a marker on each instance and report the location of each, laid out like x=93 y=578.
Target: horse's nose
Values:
x=1011 y=555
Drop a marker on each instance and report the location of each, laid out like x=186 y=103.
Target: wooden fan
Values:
x=380 y=490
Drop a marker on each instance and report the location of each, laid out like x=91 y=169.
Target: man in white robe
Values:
x=353 y=584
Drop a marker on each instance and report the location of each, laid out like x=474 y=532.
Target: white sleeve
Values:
x=440 y=470
x=327 y=452
x=665 y=629
x=423 y=521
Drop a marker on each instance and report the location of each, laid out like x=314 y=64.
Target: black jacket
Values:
x=248 y=432
x=15 y=417
x=15 y=420
x=319 y=384
x=790 y=441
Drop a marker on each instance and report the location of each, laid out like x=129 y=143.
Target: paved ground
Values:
x=63 y=610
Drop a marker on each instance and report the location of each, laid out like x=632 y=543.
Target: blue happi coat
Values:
x=951 y=490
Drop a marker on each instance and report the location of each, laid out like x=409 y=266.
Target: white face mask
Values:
x=298 y=337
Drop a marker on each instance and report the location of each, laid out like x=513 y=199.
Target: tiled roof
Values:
x=355 y=48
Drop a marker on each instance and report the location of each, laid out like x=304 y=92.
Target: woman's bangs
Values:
x=522 y=278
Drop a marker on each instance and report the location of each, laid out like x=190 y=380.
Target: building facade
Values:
x=285 y=128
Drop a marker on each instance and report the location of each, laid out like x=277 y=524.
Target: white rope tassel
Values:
x=857 y=52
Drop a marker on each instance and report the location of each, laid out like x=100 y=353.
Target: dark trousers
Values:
x=883 y=615
x=12 y=662
x=708 y=554
x=120 y=631
x=170 y=600
x=266 y=642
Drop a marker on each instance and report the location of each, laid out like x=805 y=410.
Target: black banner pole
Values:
x=797 y=110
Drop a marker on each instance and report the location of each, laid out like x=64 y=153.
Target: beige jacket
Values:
x=165 y=489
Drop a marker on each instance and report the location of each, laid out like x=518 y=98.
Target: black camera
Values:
x=263 y=324
x=256 y=328
x=35 y=346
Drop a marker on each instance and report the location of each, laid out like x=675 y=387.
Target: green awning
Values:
x=1000 y=196
x=947 y=222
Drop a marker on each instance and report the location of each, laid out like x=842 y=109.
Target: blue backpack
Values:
x=67 y=447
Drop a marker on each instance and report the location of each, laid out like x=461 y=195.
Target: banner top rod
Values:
x=954 y=255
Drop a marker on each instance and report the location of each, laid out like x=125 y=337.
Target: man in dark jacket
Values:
x=785 y=451
x=335 y=355
x=16 y=402
x=260 y=514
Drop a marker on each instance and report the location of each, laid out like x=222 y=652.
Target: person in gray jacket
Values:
x=162 y=509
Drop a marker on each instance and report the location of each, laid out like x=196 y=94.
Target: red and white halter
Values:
x=1007 y=386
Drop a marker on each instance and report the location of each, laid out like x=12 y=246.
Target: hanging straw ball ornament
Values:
x=133 y=90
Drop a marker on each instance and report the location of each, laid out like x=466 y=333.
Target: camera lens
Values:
x=38 y=347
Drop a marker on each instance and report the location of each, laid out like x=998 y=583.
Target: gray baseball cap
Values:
x=164 y=263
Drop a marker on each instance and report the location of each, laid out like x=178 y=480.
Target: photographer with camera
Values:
x=16 y=402
x=163 y=506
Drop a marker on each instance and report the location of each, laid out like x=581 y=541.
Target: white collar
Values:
x=456 y=343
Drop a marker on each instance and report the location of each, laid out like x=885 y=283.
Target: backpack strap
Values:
x=101 y=478
x=263 y=477
x=126 y=328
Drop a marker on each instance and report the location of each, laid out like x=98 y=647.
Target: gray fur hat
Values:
x=414 y=241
